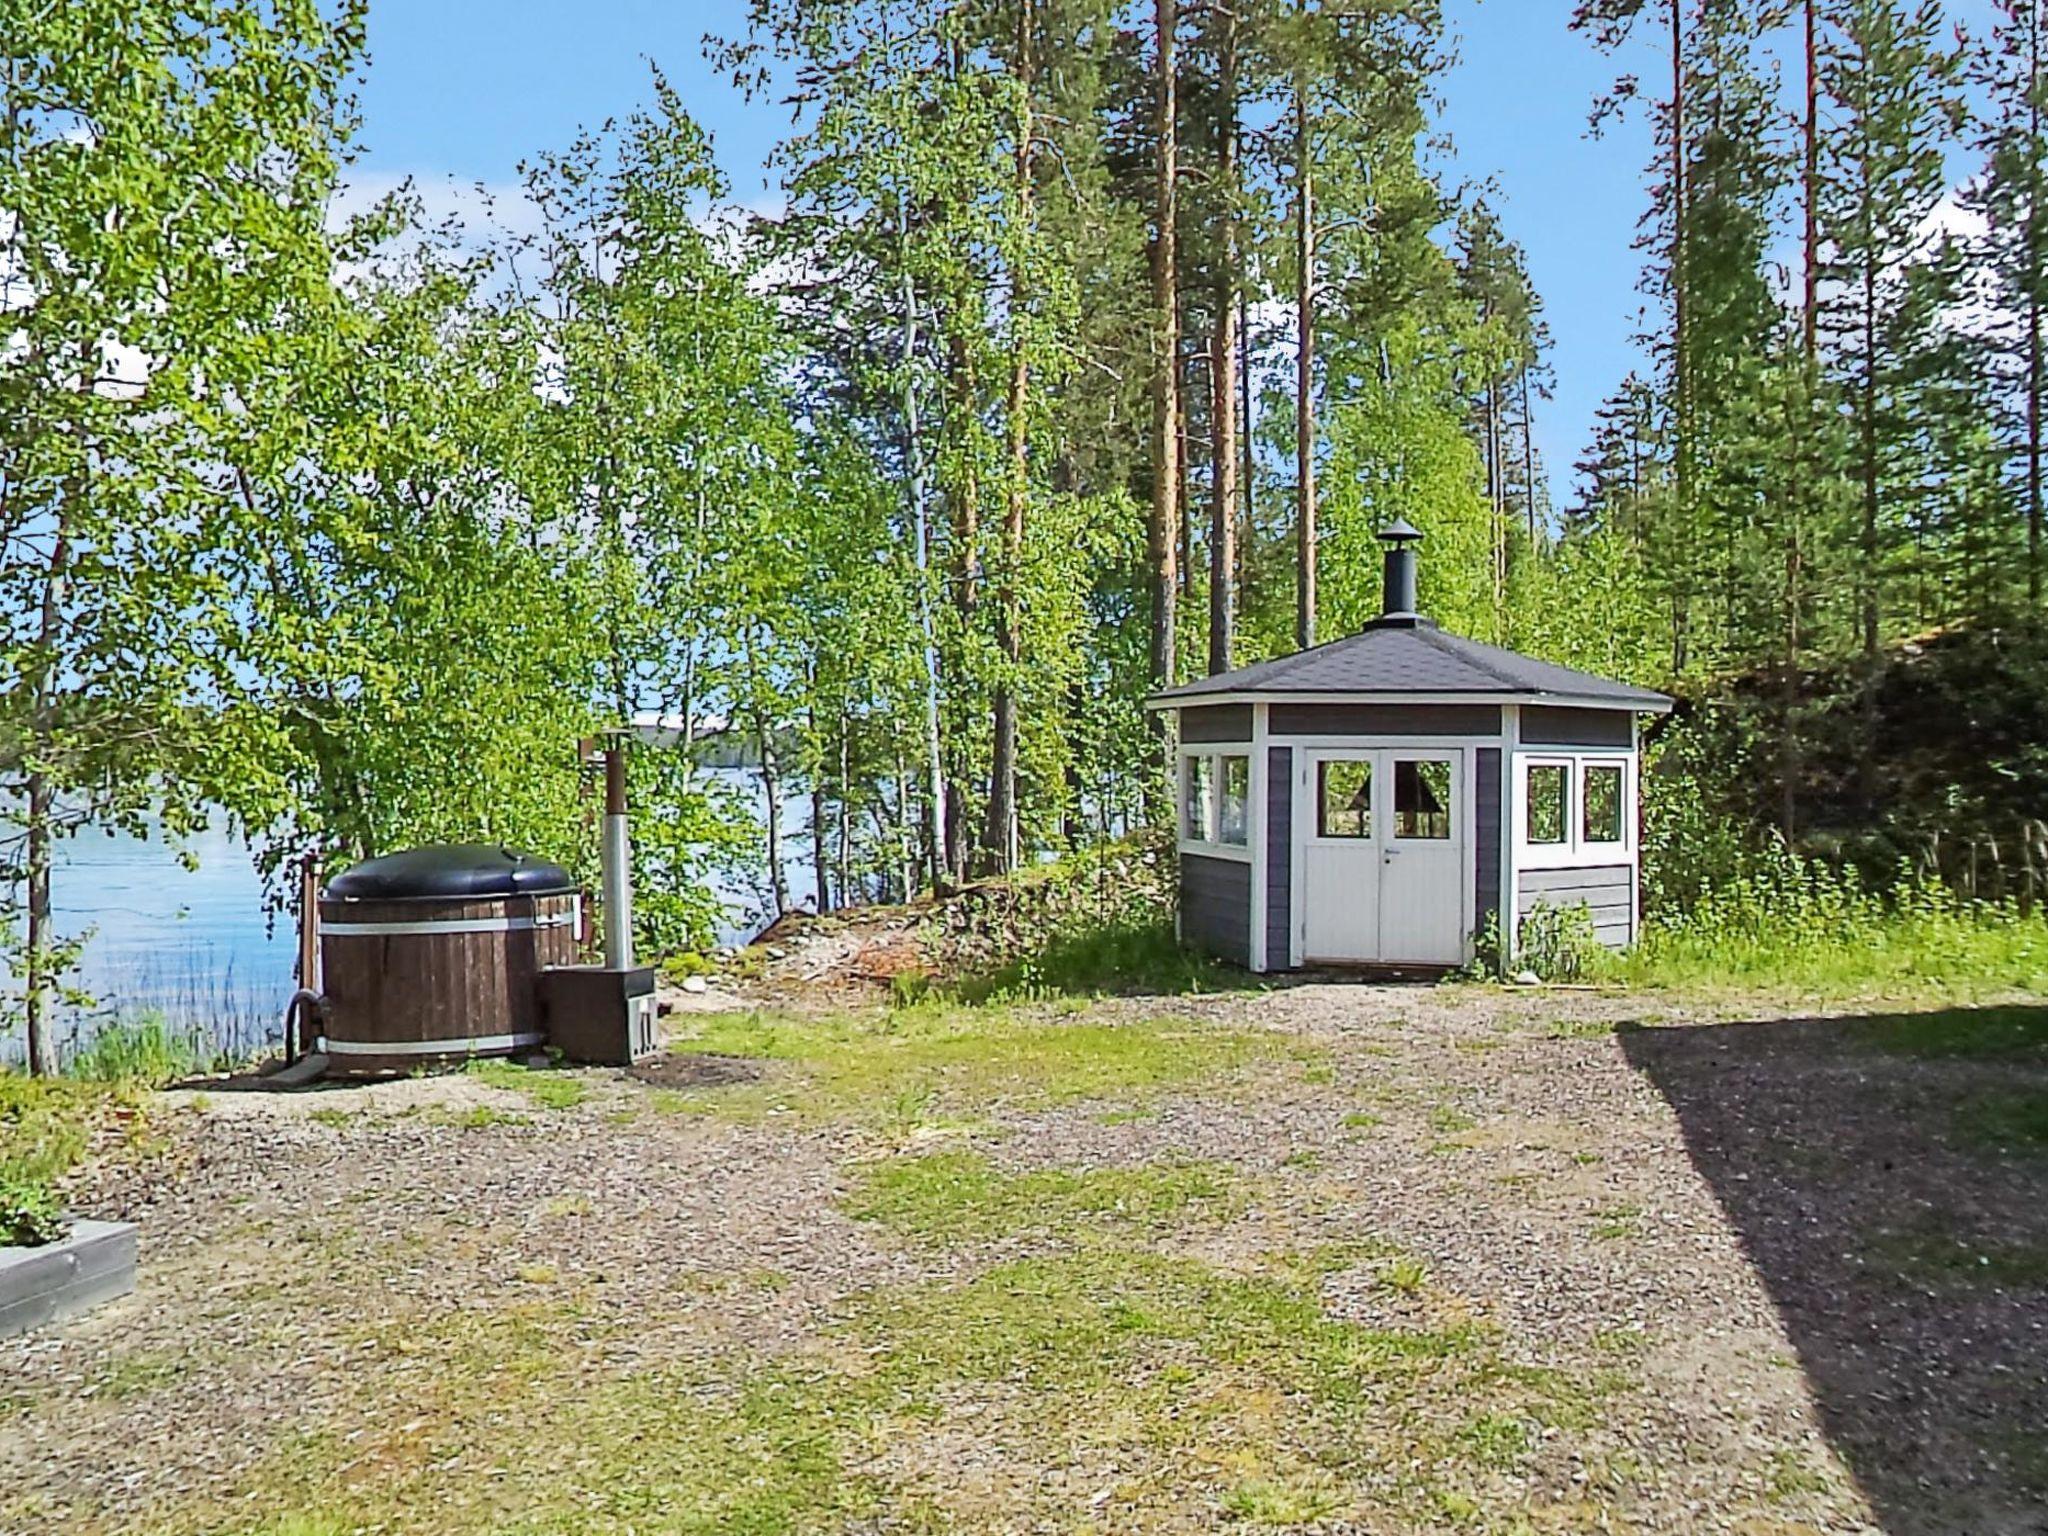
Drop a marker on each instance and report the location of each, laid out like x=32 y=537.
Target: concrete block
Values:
x=93 y=1265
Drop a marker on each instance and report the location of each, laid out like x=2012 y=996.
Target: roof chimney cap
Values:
x=1399 y=532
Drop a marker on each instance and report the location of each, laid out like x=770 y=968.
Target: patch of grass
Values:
x=1303 y=1159
x=1580 y=1029
x=960 y=1197
x=1446 y=1120
x=908 y=1066
x=549 y=1088
x=1614 y=1223
x=1407 y=1276
x=2011 y=1122
x=1957 y=1032
x=1803 y=924
x=1495 y=1440
x=1943 y=1256
x=1300 y=1500
x=1083 y=1321
x=144 y=1050
x=1126 y=1117
x=335 y=1119
x=2026 y=1457
x=135 y=1375
x=1787 y=1476
x=478 y=1117
x=1210 y=1391
x=1621 y=1343
x=1360 y=1120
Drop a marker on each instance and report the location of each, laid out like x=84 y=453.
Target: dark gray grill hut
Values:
x=1375 y=800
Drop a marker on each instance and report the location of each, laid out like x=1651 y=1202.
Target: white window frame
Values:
x=1208 y=843
x=1575 y=852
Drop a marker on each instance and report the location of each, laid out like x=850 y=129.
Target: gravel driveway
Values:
x=1329 y=1257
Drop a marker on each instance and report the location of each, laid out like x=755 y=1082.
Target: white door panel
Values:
x=1422 y=907
x=1382 y=856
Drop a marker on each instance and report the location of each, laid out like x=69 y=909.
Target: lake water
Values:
x=197 y=946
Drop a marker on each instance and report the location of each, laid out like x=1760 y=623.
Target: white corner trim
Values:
x=1507 y=917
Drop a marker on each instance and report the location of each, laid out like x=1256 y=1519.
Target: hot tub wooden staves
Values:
x=417 y=980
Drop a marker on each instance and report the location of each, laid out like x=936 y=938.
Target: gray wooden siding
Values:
x=1279 y=858
x=1486 y=821
x=1605 y=891
x=1545 y=725
x=1217 y=722
x=1384 y=720
x=1216 y=906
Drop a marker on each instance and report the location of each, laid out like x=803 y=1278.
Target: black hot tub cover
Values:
x=450 y=872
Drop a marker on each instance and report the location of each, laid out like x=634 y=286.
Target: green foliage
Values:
x=1787 y=920
x=46 y=1127
x=1559 y=944
x=30 y=1214
x=1099 y=921
x=145 y=1051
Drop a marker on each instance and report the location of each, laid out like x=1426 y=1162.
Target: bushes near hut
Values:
x=1100 y=920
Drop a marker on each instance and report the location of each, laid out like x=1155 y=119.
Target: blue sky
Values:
x=464 y=89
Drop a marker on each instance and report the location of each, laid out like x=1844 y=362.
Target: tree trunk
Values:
x=1245 y=541
x=821 y=853
x=1810 y=316
x=1791 y=755
x=966 y=589
x=1002 y=799
x=42 y=1052
x=1528 y=454
x=845 y=813
x=38 y=981
x=935 y=763
x=1304 y=364
x=1223 y=368
x=1681 y=361
x=771 y=785
x=2035 y=343
x=1162 y=529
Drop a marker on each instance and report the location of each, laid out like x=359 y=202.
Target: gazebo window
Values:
x=1601 y=804
x=1216 y=799
x=1235 y=830
x=1198 y=798
x=1422 y=799
x=1344 y=798
x=1549 y=808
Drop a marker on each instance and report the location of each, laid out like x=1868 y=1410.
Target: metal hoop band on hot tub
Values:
x=460 y=924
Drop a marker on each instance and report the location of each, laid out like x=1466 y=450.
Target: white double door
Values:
x=1382 y=849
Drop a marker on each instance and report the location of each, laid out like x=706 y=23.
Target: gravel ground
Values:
x=1828 y=1288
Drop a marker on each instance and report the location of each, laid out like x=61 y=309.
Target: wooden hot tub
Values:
x=434 y=955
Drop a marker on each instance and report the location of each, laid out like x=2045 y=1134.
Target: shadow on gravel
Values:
x=1888 y=1176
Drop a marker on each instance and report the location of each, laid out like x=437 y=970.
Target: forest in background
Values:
x=1089 y=350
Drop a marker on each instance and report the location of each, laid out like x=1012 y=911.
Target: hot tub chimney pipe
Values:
x=618 y=862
